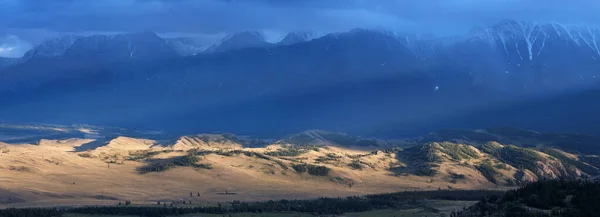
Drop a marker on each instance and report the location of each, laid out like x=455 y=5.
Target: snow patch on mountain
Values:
x=298 y=37
x=188 y=46
x=423 y=46
x=240 y=40
x=530 y=39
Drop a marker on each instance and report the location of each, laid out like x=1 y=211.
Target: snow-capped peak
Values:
x=52 y=47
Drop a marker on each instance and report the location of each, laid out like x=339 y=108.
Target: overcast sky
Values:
x=26 y=22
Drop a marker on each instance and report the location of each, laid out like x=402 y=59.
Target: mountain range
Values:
x=379 y=78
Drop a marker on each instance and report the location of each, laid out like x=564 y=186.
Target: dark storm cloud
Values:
x=217 y=16
x=185 y=15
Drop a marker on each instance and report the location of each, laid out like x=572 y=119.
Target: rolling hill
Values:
x=108 y=165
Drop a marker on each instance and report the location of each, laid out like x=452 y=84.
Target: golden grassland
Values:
x=53 y=173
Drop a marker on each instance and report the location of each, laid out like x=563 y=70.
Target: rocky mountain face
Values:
x=55 y=47
x=248 y=39
x=376 y=77
x=71 y=58
x=189 y=46
x=526 y=56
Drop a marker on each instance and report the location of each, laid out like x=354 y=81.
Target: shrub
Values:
x=318 y=170
x=488 y=171
x=281 y=164
x=19 y=168
x=311 y=169
x=457 y=176
x=203 y=166
x=425 y=171
x=458 y=151
x=256 y=154
x=85 y=155
x=392 y=150
x=144 y=155
x=300 y=168
x=328 y=158
x=189 y=160
x=332 y=155
x=290 y=152
x=356 y=165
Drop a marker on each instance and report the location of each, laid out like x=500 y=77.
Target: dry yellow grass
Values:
x=53 y=173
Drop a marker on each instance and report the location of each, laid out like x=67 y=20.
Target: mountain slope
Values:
x=76 y=57
x=499 y=164
x=51 y=48
x=244 y=74
x=145 y=46
x=6 y=62
x=376 y=77
x=527 y=56
x=296 y=37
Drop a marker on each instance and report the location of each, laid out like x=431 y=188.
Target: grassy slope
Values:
x=53 y=172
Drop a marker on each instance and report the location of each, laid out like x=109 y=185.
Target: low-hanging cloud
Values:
x=222 y=16
x=12 y=46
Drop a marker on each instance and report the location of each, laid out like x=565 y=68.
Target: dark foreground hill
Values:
x=544 y=198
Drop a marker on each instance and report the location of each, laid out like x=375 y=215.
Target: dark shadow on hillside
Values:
x=93 y=145
x=418 y=161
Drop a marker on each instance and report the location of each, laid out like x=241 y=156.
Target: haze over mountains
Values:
x=382 y=80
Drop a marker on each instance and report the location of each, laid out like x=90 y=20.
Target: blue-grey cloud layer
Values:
x=207 y=16
x=233 y=15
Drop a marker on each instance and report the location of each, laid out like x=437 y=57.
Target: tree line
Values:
x=321 y=206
